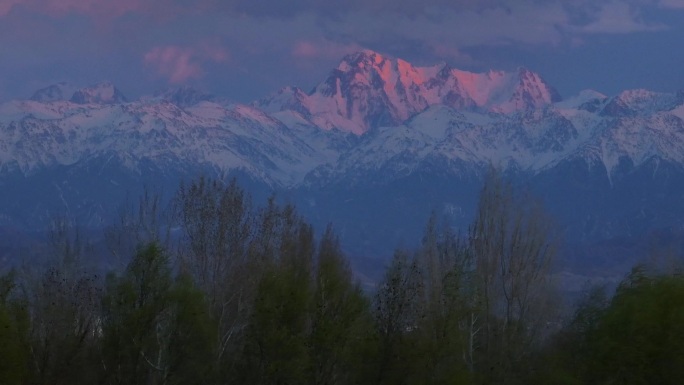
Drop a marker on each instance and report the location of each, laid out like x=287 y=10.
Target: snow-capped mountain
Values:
x=369 y=90
x=185 y=96
x=101 y=93
x=35 y=136
x=54 y=92
x=373 y=148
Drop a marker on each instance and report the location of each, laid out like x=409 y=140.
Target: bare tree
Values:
x=447 y=324
x=513 y=250
x=218 y=225
x=62 y=300
x=141 y=222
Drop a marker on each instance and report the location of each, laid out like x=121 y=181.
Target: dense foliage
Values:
x=252 y=296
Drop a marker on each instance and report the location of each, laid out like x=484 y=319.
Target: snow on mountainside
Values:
x=374 y=147
x=55 y=92
x=185 y=96
x=368 y=90
x=39 y=135
x=401 y=115
x=101 y=93
x=531 y=141
x=640 y=103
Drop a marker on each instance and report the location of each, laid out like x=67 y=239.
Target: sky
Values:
x=245 y=49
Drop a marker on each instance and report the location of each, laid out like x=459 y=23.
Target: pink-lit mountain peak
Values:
x=361 y=59
x=489 y=89
x=100 y=93
x=368 y=89
x=369 y=65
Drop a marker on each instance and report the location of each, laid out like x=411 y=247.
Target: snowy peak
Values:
x=368 y=90
x=185 y=96
x=532 y=91
x=360 y=59
x=587 y=100
x=639 y=102
x=53 y=93
x=102 y=93
x=504 y=92
x=287 y=98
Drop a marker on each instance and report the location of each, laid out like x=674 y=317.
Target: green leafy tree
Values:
x=276 y=346
x=445 y=334
x=191 y=347
x=567 y=357
x=397 y=311
x=339 y=318
x=13 y=335
x=156 y=331
x=424 y=312
x=639 y=339
x=219 y=228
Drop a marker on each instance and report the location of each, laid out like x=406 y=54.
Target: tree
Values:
x=513 y=250
x=192 y=344
x=397 y=311
x=13 y=335
x=424 y=312
x=62 y=302
x=639 y=338
x=155 y=330
x=148 y=220
x=218 y=227
x=64 y=314
x=446 y=331
x=276 y=345
x=567 y=357
x=338 y=317
x=217 y=221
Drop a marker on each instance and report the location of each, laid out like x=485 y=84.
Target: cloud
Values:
x=672 y=4
x=619 y=18
x=322 y=49
x=7 y=5
x=180 y=64
x=101 y=10
x=450 y=52
x=275 y=42
x=333 y=9
x=63 y=7
x=449 y=28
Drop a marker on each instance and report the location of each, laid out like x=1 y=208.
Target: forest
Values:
x=235 y=293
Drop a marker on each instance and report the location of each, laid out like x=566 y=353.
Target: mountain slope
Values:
x=373 y=148
x=369 y=90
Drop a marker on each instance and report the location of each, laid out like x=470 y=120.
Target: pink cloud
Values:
x=180 y=64
x=7 y=5
x=173 y=62
x=304 y=49
x=213 y=52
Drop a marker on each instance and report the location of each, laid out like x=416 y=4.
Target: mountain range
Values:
x=373 y=148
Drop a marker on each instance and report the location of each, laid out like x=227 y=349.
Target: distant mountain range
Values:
x=373 y=148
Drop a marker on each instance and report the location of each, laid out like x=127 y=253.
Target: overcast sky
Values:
x=245 y=49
